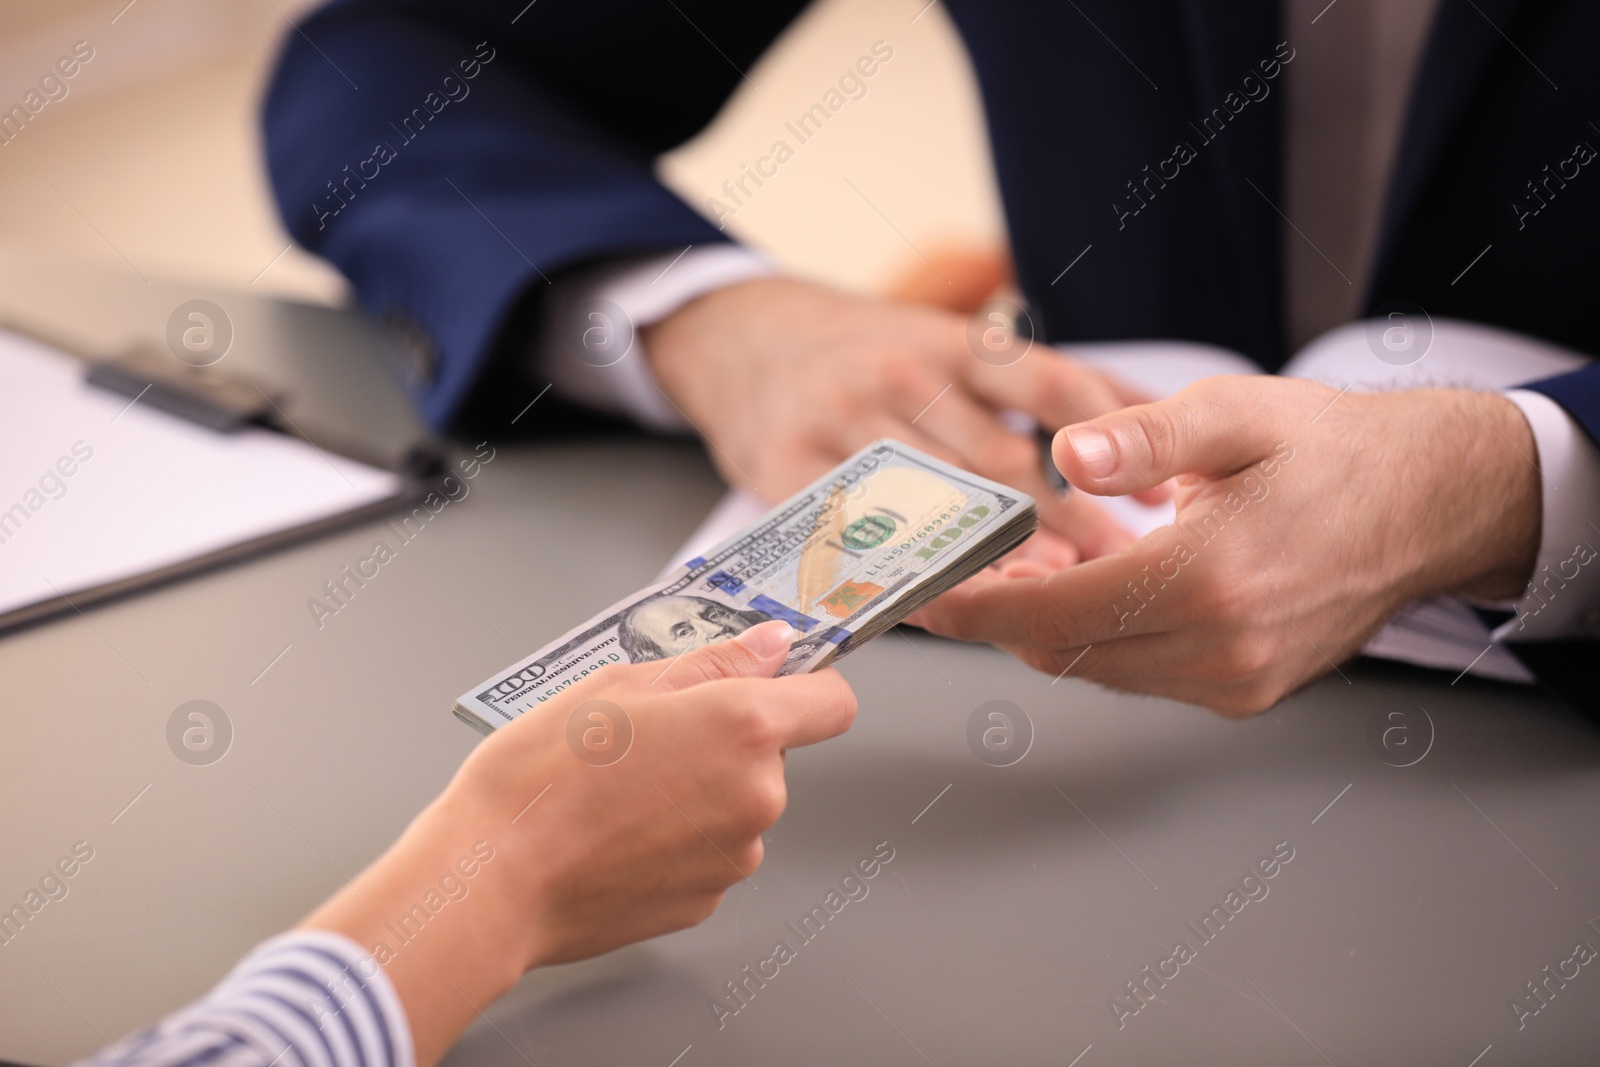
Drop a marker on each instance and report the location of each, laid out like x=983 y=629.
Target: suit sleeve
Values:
x=452 y=159
x=1578 y=393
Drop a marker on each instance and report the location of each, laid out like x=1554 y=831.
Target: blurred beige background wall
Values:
x=151 y=163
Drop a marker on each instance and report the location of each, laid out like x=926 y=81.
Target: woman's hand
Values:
x=620 y=810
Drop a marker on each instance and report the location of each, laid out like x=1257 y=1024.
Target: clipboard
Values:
x=123 y=466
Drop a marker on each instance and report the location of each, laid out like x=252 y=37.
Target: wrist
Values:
x=458 y=836
x=1482 y=514
x=741 y=316
x=440 y=913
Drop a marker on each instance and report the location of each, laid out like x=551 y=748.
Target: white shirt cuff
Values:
x=588 y=345
x=1563 y=599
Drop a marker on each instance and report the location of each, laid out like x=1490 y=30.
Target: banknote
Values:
x=842 y=561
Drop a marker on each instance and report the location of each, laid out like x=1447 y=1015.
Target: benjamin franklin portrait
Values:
x=670 y=625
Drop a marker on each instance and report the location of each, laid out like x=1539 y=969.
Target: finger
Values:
x=1162 y=665
x=850 y=437
x=1139 y=661
x=800 y=709
x=1045 y=548
x=756 y=653
x=957 y=278
x=1119 y=394
x=1058 y=391
x=974 y=432
x=1025 y=568
x=1136 y=591
x=1159 y=495
x=814 y=707
x=1082 y=521
x=1055 y=389
x=1211 y=428
x=1127 y=392
x=985 y=577
x=1014 y=459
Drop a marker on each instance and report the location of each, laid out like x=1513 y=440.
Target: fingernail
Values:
x=1093 y=448
x=768 y=639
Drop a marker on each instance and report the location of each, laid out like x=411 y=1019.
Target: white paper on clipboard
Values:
x=97 y=492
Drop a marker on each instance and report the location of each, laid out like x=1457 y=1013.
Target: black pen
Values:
x=1052 y=477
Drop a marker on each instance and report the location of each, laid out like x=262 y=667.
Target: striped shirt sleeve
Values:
x=302 y=999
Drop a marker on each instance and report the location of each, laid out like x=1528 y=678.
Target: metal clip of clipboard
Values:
x=227 y=400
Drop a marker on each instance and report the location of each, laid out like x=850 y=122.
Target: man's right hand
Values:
x=785 y=379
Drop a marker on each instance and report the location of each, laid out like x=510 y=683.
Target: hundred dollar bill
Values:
x=842 y=561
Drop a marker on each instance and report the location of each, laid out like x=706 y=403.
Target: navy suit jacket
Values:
x=452 y=158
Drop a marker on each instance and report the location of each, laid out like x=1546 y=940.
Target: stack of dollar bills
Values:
x=842 y=561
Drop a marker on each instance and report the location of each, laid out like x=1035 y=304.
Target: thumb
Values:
x=1206 y=429
x=756 y=653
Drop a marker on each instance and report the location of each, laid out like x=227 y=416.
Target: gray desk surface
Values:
x=1019 y=902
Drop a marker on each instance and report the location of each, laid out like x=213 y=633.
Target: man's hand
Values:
x=588 y=855
x=1305 y=519
x=785 y=379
